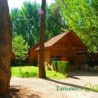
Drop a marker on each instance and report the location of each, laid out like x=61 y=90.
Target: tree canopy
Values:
x=82 y=17
x=26 y=21
x=20 y=47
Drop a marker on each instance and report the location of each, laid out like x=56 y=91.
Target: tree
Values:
x=54 y=21
x=27 y=21
x=5 y=49
x=81 y=16
x=42 y=11
x=14 y=14
x=20 y=47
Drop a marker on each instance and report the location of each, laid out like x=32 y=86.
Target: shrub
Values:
x=61 y=66
x=54 y=63
x=66 y=75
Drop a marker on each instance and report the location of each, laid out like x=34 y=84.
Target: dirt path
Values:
x=67 y=88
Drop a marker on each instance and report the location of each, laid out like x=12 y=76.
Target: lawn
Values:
x=31 y=71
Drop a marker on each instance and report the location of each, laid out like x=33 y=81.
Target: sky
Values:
x=18 y=3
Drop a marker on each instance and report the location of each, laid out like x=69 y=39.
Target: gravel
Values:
x=50 y=88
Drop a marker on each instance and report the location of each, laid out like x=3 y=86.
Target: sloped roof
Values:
x=53 y=40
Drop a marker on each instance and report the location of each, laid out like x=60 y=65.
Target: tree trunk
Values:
x=5 y=49
x=42 y=73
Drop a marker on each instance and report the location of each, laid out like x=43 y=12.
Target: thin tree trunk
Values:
x=5 y=49
x=42 y=73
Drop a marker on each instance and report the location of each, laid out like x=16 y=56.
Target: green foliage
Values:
x=20 y=47
x=54 y=63
x=61 y=66
x=82 y=17
x=27 y=21
x=54 y=21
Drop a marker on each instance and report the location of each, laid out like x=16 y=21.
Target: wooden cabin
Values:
x=63 y=47
x=32 y=55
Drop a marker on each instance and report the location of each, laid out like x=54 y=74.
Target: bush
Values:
x=61 y=66
x=66 y=75
x=54 y=63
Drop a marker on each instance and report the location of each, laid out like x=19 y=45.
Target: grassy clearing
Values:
x=31 y=71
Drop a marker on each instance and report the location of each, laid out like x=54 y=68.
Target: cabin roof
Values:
x=55 y=39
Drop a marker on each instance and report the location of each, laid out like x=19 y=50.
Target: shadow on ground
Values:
x=83 y=88
x=21 y=92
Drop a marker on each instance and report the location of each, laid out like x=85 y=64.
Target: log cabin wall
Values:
x=66 y=49
x=33 y=54
x=47 y=55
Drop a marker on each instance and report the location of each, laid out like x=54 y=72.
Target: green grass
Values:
x=31 y=71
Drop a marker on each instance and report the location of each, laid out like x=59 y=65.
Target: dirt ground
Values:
x=47 y=88
x=22 y=92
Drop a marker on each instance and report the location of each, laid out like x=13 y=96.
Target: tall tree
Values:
x=26 y=22
x=54 y=21
x=82 y=17
x=42 y=11
x=5 y=49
